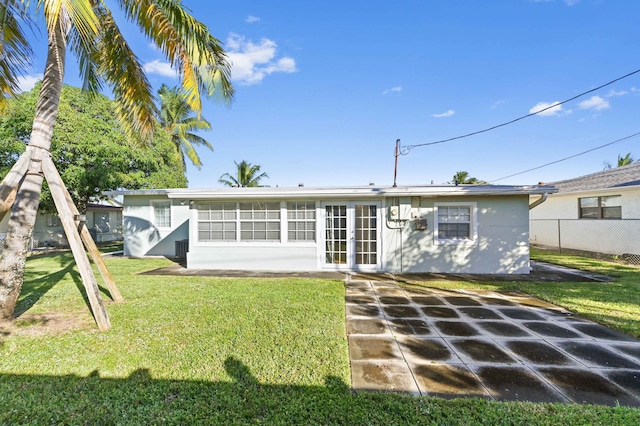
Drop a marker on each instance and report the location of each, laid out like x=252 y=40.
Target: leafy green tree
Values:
x=176 y=117
x=89 y=29
x=247 y=175
x=92 y=152
x=463 y=178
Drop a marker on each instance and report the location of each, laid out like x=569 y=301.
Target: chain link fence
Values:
x=611 y=239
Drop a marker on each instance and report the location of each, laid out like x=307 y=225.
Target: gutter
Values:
x=539 y=201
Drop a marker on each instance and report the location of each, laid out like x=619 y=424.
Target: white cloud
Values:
x=251 y=62
x=497 y=103
x=251 y=19
x=161 y=68
x=556 y=110
x=396 y=89
x=27 y=82
x=596 y=103
x=445 y=114
x=613 y=93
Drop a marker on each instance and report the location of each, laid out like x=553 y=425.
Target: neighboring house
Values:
x=404 y=229
x=103 y=221
x=599 y=212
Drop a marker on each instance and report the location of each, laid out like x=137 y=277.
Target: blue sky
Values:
x=324 y=89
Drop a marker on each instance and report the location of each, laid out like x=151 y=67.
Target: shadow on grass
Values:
x=38 y=281
x=141 y=399
x=36 y=285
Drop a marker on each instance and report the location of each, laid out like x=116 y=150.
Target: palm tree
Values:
x=622 y=161
x=247 y=176
x=88 y=28
x=463 y=178
x=626 y=160
x=175 y=117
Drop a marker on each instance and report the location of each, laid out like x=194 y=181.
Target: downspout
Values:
x=541 y=200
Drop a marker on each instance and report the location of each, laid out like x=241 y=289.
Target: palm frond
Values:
x=79 y=13
x=93 y=81
x=15 y=50
x=187 y=44
x=134 y=98
x=198 y=141
x=193 y=123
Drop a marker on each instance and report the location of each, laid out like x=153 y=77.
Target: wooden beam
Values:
x=11 y=182
x=73 y=237
x=85 y=235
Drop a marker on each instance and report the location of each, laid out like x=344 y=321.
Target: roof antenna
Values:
x=395 y=170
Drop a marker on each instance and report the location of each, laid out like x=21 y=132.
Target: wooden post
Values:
x=85 y=235
x=82 y=261
x=10 y=183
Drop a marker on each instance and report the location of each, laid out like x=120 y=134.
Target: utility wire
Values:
x=567 y=158
x=408 y=148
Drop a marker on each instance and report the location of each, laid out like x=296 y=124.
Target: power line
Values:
x=408 y=148
x=568 y=158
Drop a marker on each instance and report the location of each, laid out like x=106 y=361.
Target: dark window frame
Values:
x=601 y=211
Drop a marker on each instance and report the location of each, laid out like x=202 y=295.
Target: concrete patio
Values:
x=504 y=346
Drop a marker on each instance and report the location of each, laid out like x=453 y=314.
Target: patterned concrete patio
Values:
x=496 y=345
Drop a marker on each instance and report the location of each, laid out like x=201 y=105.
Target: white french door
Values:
x=351 y=236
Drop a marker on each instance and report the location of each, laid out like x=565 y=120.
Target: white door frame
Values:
x=351 y=227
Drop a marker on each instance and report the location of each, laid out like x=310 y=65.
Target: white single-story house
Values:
x=103 y=221
x=598 y=212
x=403 y=229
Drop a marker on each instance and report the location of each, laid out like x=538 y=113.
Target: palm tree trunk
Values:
x=25 y=207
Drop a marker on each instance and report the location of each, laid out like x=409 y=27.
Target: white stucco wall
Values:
x=142 y=237
x=556 y=223
x=501 y=247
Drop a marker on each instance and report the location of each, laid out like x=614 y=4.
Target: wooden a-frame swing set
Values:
x=38 y=160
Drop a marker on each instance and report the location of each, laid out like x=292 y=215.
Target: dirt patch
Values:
x=44 y=324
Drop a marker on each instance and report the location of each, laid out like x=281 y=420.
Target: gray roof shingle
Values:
x=612 y=178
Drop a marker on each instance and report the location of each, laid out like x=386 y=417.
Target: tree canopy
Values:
x=91 y=150
x=176 y=117
x=622 y=161
x=463 y=178
x=247 y=175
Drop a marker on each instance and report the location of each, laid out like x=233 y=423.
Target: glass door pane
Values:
x=366 y=250
x=336 y=235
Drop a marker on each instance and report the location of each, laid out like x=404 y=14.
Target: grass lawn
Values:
x=202 y=350
x=615 y=304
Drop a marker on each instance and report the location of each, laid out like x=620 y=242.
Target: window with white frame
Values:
x=259 y=221
x=217 y=221
x=455 y=223
x=161 y=213
x=256 y=221
x=301 y=221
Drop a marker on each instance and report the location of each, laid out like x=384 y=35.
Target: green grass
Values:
x=202 y=350
x=615 y=304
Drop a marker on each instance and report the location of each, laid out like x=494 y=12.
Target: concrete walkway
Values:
x=497 y=345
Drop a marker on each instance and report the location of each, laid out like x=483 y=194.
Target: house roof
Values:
x=370 y=191
x=105 y=207
x=618 y=177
